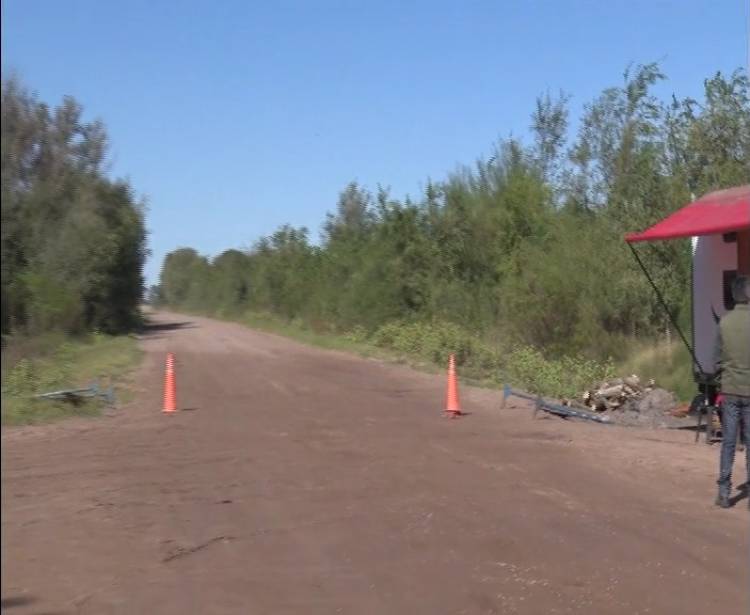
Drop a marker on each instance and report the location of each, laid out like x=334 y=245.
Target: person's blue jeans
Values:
x=735 y=414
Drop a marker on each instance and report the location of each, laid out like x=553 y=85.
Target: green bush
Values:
x=430 y=341
x=435 y=341
x=357 y=334
x=20 y=379
x=525 y=366
x=566 y=377
x=51 y=305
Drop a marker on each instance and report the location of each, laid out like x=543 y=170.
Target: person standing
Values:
x=732 y=356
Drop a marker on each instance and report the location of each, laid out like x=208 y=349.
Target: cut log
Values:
x=599 y=403
x=611 y=391
x=634 y=382
x=617 y=394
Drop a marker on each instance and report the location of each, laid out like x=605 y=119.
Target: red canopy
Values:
x=723 y=211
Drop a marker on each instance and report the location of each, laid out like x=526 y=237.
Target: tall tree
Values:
x=73 y=240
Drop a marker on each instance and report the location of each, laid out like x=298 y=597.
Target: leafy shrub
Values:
x=565 y=377
x=35 y=375
x=524 y=366
x=357 y=334
x=21 y=379
x=430 y=341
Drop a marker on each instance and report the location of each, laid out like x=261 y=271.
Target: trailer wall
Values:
x=715 y=264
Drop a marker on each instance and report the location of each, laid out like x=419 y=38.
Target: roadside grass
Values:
x=669 y=366
x=40 y=366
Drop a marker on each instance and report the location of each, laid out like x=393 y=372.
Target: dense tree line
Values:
x=525 y=246
x=73 y=240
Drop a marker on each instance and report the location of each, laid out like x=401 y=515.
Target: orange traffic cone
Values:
x=452 y=406
x=170 y=401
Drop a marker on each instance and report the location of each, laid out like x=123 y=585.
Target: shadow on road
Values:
x=158 y=327
x=13 y=601
x=744 y=493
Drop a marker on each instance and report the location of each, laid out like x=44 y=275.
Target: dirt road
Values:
x=297 y=480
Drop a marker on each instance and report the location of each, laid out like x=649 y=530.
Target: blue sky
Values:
x=235 y=117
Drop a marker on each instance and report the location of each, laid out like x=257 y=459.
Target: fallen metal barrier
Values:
x=75 y=395
x=556 y=409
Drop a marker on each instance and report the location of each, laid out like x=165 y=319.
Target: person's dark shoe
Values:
x=722 y=501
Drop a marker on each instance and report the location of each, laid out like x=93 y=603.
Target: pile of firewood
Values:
x=616 y=394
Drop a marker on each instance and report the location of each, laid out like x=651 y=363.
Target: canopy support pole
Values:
x=672 y=319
